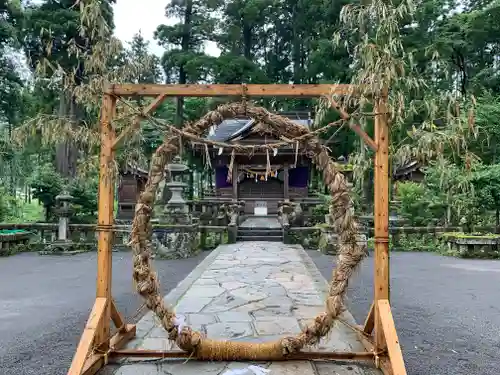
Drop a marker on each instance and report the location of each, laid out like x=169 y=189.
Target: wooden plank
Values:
x=116 y=316
x=105 y=215
x=235 y=181
x=93 y=364
x=140 y=353
x=95 y=320
x=132 y=128
x=356 y=128
x=255 y=90
x=121 y=338
x=97 y=361
x=286 y=183
x=370 y=320
x=364 y=137
x=383 y=361
x=391 y=338
x=154 y=104
x=381 y=215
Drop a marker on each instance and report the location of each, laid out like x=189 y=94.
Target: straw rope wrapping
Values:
x=341 y=211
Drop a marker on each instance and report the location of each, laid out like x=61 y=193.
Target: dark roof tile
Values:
x=228 y=128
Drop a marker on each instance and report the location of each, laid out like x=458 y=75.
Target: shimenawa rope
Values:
x=341 y=211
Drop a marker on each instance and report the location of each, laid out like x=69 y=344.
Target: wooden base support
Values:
x=89 y=359
x=370 y=320
x=302 y=356
x=389 y=359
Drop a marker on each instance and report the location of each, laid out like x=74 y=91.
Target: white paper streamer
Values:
x=250 y=370
x=180 y=322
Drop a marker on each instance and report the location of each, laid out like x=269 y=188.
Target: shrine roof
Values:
x=230 y=128
x=407 y=168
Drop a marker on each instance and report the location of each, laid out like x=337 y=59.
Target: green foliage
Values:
x=84 y=202
x=431 y=57
x=7 y=205
x=46 y=184
x=414 y=203
x=184 y=60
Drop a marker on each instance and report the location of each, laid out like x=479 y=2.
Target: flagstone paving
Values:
x=254 y=292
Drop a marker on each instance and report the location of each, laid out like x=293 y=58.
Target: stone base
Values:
x=66 y=248
x=328 y=242
x=177 y=245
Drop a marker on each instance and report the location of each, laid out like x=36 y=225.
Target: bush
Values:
x=7 y=205
x=46 y=184
x=415 y=205
x=84 y=193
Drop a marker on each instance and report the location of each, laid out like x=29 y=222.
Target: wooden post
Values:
x=286 y=182
x=381 y=213
x=235 y=181
x=105 y=216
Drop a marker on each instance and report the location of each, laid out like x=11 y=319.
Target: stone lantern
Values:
x=63 y=244
x=180 y=242
x=64 y=212
x=176 y=205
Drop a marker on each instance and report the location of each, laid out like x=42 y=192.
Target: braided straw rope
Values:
x=341 y=211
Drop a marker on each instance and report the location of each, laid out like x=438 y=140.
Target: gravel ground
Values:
x=45 y=302
x=447 y=310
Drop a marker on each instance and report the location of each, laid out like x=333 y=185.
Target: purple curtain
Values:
x=298 y=177
x=221 y=177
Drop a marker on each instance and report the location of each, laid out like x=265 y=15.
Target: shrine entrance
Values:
x=260 y=190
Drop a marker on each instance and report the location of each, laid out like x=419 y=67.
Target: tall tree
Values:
x=184 y=60
x=147 y=65
x=54 y=46
x=11 y=86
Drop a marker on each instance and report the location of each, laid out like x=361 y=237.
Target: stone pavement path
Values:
x=250 y=291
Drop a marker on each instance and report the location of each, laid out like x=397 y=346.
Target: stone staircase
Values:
x=260 y=234
x=263 y=228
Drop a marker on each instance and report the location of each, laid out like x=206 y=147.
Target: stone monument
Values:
x=176 y=243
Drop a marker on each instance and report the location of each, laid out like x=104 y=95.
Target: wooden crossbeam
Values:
x=154 y=104
x=132 y=128
x=356 y=128
x=255 y=90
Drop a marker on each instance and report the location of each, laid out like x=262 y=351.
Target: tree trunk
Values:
x=66 y=152
x=185 y=44
x=247 y=41
x=296 y=47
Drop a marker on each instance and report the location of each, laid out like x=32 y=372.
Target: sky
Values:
x=130 y=16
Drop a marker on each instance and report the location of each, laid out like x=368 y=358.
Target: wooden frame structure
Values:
x=97 y=345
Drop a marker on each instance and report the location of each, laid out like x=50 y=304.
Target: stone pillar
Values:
x=234 y=211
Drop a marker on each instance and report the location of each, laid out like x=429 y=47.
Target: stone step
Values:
x=260 y=228
x=259 y=232
x=260 y=238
